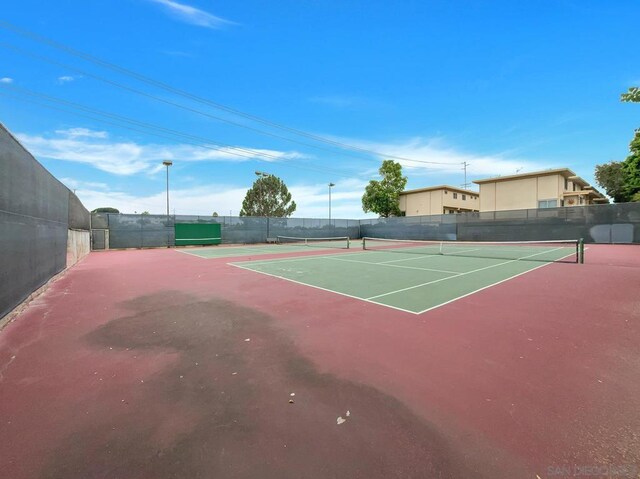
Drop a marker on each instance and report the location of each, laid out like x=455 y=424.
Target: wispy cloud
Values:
x=65 y=79
x=6 y=80
x=447 y=159
x=82 y=133
x=73 y=184
x=346 y=199
x=193 y=15
x=312 y=200
x=95 y=148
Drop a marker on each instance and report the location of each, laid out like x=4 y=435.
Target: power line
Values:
x=177 y=91
x=466 y=185
x=27 y=91
x=185 y=137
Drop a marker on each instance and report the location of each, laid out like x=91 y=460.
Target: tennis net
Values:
x=331 y=242
x=567 y=251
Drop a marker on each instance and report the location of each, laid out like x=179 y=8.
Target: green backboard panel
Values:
x=198 y=234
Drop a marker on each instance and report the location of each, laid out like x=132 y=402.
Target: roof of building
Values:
x=566 y=172
x=441 y=187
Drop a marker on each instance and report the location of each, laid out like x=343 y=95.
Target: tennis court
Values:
x=416 y=276
x=282 y=244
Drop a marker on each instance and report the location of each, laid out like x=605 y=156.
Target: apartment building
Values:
x=539 y=189
x=437 y=200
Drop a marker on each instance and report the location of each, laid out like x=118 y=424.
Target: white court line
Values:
x=321 y=288
x=424 y=255
x=300 y=258
x=235 y=248
x=393 y=265
x=369 y=300
x=485 y=287
x=462 y=274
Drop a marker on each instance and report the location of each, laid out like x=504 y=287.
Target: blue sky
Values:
x=505 y=86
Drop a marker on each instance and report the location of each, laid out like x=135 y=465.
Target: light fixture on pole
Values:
x=167 y=163
x=262 y=174
x=331 y=185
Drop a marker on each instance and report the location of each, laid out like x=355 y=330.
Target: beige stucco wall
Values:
x=419 y=203
x=471 y=201
x=520 y=193
x=434 y=202
x=549 y=188
x=516 y=194
x=78 y=246
x=526 y=193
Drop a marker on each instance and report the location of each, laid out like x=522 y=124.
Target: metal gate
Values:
x=99 y=240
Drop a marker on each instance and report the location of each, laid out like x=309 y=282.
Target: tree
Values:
x=145 y=213
x=610 y=176
x=383 y=196
x=215 y=214
x=106 y=209
x=268 y=196
x=633 y=95
x=621 y=179
x=631 y=167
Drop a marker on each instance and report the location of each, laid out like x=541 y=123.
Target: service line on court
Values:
x=372 y=299
x=386 y=263
x=427 y=255
x=464 y=274
x=224 y=249
x=321 y=288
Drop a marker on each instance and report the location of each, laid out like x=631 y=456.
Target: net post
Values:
x=364 y=242
x=581 y=251
x=348 y=242
x=441 y=247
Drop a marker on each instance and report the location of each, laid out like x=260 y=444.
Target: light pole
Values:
x=262 y=174
x=331 y=185
x=167 y=163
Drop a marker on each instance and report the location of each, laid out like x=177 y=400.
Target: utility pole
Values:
x=167 y=163
x=464 y=167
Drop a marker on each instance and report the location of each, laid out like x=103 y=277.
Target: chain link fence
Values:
x=36 y=214
x=143 y=231
x=614 y=223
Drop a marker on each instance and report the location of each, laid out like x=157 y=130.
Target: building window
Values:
x=455 y=196
x=464 y=197
x=450 y=212
x=566 y=184
x=446 y=192
x=548 y=204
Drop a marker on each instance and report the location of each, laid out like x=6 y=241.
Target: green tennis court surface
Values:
x=236 y=251
x=413 y=279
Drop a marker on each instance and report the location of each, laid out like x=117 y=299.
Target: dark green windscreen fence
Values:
x=614 y=223
x=36 y=213
x=197 y=234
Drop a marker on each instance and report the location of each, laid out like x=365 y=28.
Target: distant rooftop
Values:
x=441 y=187
x=566 y=172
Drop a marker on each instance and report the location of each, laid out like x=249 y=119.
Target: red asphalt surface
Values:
x=136 y=364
